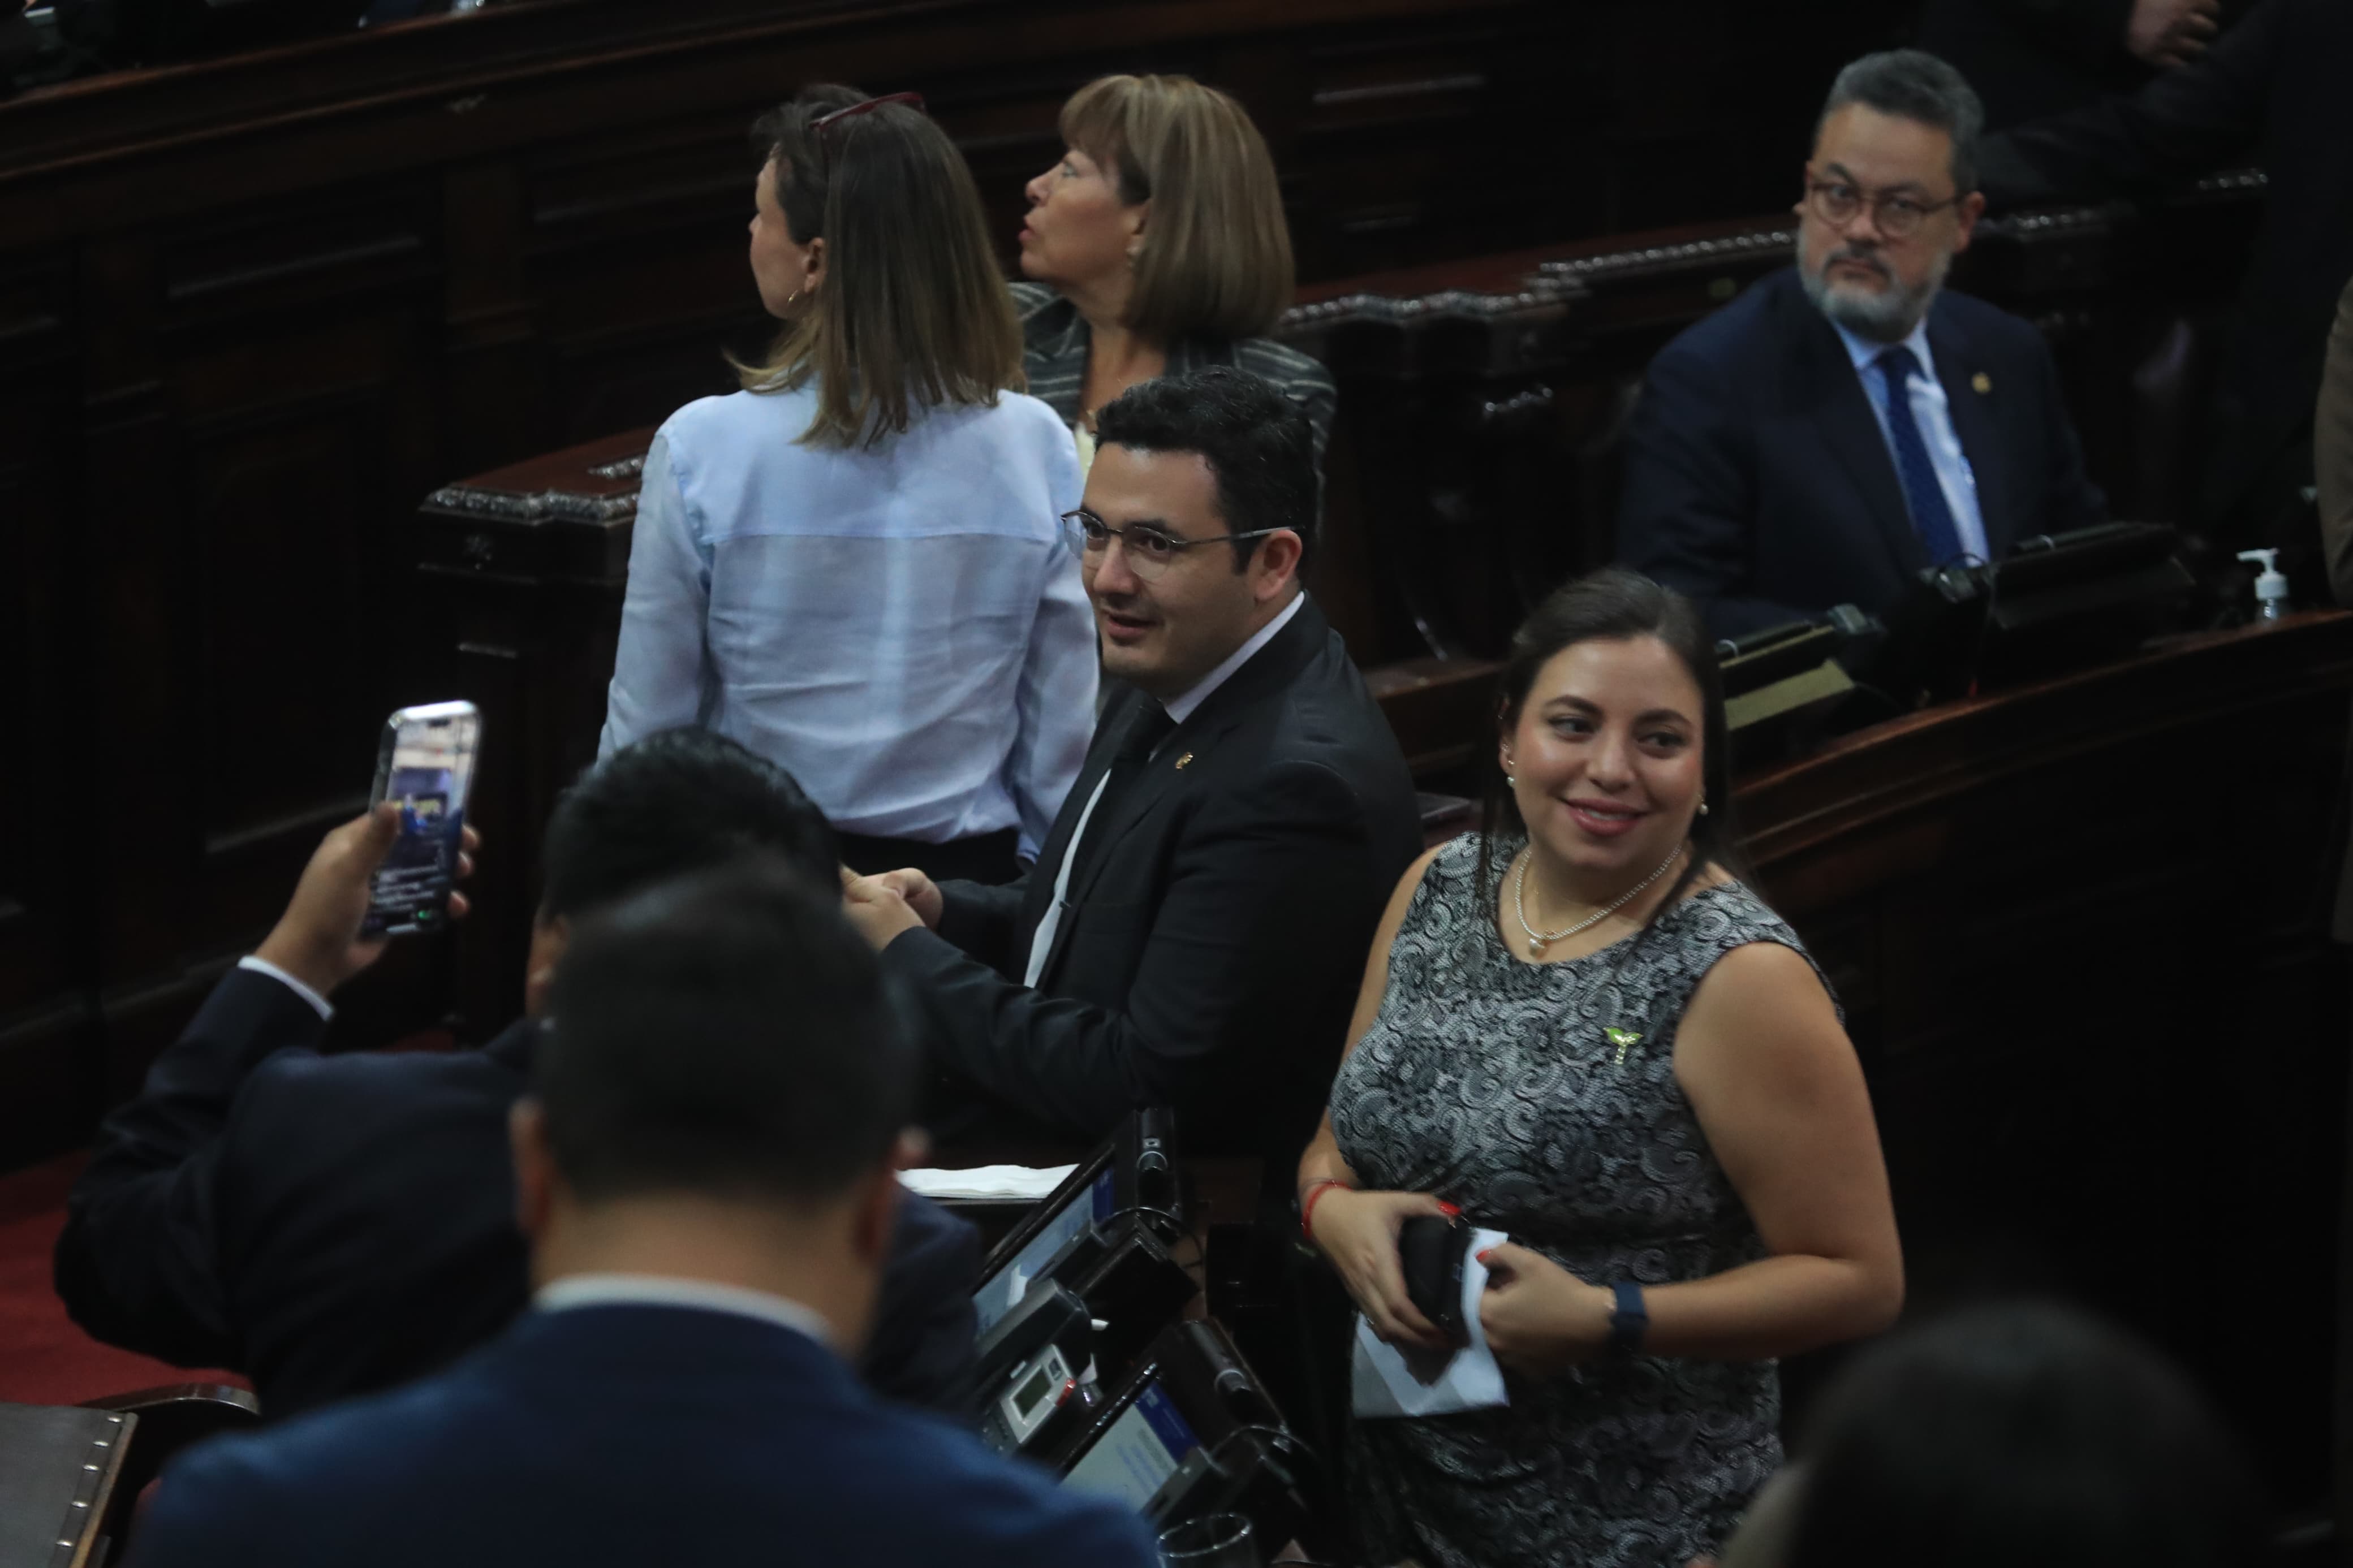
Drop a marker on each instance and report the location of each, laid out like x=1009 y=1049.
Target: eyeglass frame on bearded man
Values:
x=1908 y=211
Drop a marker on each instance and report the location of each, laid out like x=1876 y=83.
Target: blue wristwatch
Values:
x=1629 y=1321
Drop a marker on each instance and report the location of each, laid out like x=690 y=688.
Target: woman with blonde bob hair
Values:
x=856 y=565
x=1157 y=245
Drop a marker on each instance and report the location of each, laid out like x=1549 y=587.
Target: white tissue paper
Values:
x=987 y=1183
x=1391 y=1382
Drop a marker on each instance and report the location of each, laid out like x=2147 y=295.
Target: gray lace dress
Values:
x=1492 y=1083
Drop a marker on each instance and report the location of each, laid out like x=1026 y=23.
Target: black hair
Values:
x=1614 y=605
x=1256 y=441
x=1911 y=84
x=2027 y=1434
x=726 y=1034
x=678 y=801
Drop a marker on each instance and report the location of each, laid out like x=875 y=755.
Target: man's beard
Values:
x=1887 y=316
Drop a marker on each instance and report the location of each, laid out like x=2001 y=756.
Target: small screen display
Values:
x=1141 y=1451
x=1002 y=1291
x=1032 y=1391
x=428 y=768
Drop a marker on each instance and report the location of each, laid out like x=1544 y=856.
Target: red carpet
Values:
x=44 y=1359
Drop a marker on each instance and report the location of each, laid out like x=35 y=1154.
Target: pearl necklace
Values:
x=1540 y=939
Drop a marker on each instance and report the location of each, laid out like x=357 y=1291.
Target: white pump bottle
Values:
x=2270 y=584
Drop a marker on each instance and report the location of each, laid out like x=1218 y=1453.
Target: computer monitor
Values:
x=2057 y=602
x=1134 y=1454
x=1192 y=1431
x=1087 y=1196
x=1132 y=1172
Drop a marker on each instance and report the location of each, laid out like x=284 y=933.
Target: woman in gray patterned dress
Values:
x=1580 y=1029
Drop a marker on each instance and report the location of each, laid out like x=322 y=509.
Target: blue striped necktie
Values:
x=1923 y=493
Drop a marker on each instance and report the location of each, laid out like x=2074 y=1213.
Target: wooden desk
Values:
x=2080 y=933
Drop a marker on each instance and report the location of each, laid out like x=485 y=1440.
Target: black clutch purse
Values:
x=1431 y=1250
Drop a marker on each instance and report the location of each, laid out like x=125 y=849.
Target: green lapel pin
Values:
x=1621 y=1038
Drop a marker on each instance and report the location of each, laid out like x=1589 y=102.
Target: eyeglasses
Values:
x=1149 y=551
x=824 y=122
x=1898 y=216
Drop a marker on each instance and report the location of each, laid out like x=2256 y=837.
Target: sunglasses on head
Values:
x=826 y=122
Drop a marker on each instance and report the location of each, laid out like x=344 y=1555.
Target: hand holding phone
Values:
x=425 y=767
x=319 y=940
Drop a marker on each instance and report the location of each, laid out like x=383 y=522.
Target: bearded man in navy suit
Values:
x=1847 y=423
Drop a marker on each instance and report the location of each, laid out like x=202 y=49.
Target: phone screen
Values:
x=424 y=766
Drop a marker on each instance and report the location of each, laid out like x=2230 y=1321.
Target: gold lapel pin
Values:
x=1982 y=382
x=1183 y=759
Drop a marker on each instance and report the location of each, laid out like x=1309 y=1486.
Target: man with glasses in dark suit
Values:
x=1194 y=928
x=1847 y=423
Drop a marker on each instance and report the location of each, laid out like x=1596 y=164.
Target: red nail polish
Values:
x=1483 y=1256
x=1451 y=1211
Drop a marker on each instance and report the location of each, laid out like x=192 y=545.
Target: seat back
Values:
x=170 y=1418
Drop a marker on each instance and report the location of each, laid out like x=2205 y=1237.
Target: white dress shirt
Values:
x=1933 y=412
x=664 y=1290
x=902 y=627
x=1178 y=708
x=263 y=966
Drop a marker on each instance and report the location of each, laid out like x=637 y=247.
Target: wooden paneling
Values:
x=2094 y=992
x=46 y=839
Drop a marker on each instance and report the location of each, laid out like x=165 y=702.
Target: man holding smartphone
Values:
x=334 y=1224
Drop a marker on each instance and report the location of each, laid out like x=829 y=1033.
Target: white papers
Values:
x=1390 y=1382
x=989 y=1184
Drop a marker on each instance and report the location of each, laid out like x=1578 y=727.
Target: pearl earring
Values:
x=1703 y=806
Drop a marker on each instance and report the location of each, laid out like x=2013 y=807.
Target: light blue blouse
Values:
x=903 y=628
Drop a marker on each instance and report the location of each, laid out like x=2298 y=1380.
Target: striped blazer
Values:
x=1054 y=353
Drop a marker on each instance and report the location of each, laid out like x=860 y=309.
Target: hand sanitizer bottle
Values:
x=2270 y=584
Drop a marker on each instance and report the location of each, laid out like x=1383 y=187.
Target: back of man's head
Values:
x=2032 y=1436
x=1259 y=446
x=680 y=801
x=728 y=1036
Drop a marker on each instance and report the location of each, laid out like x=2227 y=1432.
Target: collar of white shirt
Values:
x=664 y=1290
x=1181 y=707
x=1864 y=351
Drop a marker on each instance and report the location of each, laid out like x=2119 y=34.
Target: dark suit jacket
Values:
x=1758 y=482
x=1215 y=941
x=626 y=1435
x=2273 y=91
x=2030 y=58
x=332 y=1226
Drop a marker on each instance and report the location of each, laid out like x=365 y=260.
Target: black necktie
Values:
x=1146 y=729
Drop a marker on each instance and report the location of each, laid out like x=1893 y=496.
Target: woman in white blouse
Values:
x=855 y=566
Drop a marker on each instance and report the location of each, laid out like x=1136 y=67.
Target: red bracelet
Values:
x=1315 y=1190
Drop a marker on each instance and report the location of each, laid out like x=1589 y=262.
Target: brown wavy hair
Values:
x=1216 y=261
x=913 y=311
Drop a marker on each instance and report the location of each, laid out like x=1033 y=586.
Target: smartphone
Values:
x=425 y=765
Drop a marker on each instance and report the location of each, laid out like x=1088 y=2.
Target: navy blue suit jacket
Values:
x=333 y=1225
x=626 y=1435
x=1757 y=481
